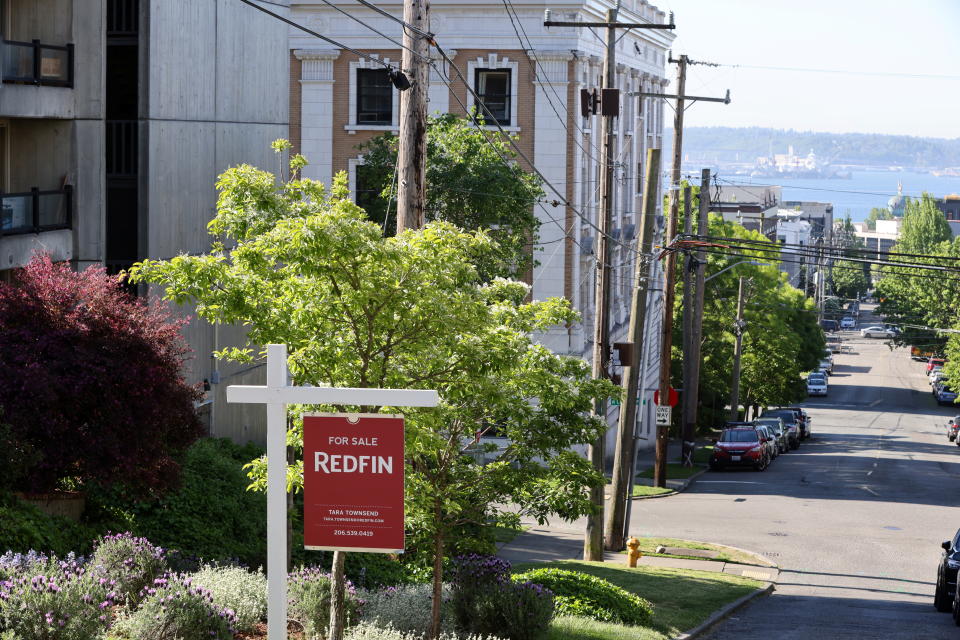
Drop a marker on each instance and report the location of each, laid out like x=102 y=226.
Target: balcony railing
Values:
x=35 y=63
x=122 y=145
x=36 y=211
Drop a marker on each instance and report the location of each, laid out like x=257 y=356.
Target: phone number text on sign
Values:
x=353 y=482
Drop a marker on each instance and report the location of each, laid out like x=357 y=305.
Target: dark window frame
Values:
x=506 y=97
x=368 y=90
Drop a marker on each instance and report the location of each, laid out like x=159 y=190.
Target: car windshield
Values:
x=816 y=380
x=739 y=435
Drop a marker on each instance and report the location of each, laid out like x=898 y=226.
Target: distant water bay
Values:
x=862 y=192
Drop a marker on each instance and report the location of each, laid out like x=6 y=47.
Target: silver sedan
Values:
x=877 y=332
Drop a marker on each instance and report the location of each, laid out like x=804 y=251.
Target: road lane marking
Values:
x=868 y=489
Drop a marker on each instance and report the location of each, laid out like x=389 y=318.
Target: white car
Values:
x=877 y=332
x=848 y=323
x=816 y=384
x=935 y=375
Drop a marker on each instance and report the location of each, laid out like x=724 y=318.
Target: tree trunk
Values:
x=437 y=573
x=336 y=597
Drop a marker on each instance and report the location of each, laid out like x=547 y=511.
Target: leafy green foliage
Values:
x=914 y=298
x=405 y=608
x=309 y=270
x=211 y=515
x=877 y=213
x=468 y=185
x=130 y=563
x=24 y=527
x=781 y=339
x=850 y=279
x=582 y=594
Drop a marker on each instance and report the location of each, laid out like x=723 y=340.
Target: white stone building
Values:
x=531 y=77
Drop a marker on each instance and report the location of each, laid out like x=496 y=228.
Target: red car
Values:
x=952 y=427
x=934 y=362
x=740 y=446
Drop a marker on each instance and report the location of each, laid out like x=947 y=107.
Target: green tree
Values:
x=877 y=213
x=356 y=309
x=782 y=339
x=850 y=279
x=919 y=298
x=468 y=184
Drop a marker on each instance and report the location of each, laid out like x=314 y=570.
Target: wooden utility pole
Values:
x=618 y=516
x=593 y=541
x=660 y=466
x=687 y=337
x=610 y=109
x=691 y=377
x=738 y=327
x=412 y=156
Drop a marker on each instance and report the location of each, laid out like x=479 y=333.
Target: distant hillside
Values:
x=729 y=144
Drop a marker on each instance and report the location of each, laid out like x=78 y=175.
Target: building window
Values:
x=374 y=97
x=493 y=89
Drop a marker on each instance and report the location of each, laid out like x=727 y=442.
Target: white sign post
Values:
x=276 y=395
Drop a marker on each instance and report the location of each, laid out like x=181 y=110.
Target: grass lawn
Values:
x=681 y=599
x=701 y=455
x=726 y=554
x=675 y=471
x=644 y=490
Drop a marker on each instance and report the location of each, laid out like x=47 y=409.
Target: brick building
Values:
x=530 y=77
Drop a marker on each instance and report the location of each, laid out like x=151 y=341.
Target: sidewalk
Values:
x=541 y=544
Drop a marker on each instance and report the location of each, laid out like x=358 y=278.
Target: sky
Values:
x=877 y=44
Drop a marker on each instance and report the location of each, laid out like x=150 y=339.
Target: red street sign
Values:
x=353 y=483
x=674 y=397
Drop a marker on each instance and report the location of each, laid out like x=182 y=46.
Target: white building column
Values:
x=550 y=156
x=316 y=111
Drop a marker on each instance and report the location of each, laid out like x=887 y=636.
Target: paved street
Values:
x=854 y=517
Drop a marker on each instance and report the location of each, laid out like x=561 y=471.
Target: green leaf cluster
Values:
x=918 y=298
x=468 y=185
x=303 y=266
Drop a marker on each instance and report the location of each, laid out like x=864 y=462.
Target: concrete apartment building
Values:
x=116 y=116
x=530 y=79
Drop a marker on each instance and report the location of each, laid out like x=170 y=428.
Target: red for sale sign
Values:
x=353 y=482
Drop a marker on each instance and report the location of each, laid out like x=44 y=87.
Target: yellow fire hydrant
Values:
x=633 y=551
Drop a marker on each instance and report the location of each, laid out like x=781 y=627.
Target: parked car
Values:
x=877 y=332
x=829 y=325
x=943 y=393
x=935 y=375
x=952 y=427
x=826 y=365
x=778 y=430
x=944 y=595
x=933 y=362
x=805 y=421
x=740 y=446
x=816 y=384
x=769 y=439
x=847 y=322
x=791 y=421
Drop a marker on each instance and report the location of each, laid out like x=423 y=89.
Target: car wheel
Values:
x=955 y=610
x=714 y=466
x=941 y=599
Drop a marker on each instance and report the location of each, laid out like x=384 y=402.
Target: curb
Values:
x=721 y=614
x=683 y=487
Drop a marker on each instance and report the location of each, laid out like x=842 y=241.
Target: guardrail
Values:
x=36 y=211
x=37 y=63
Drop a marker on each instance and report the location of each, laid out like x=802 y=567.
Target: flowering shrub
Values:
x=174 y=608
x=374 y=631
x=235 y=588
x=308 y=591
x=486 y=601
x=131 y=562
x=405 y=608
x=585 y=595
x=45 y=598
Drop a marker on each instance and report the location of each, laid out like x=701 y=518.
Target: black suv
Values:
x=944 y=596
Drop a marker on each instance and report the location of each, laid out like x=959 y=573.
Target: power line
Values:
x=322 y=37
x=379 y=33
x=406 y=25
